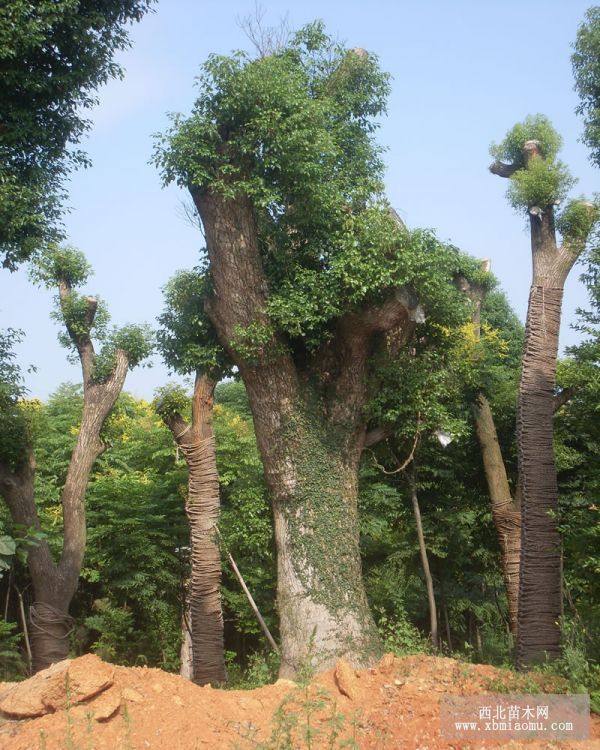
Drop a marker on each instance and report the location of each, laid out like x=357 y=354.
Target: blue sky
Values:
x=463 y=73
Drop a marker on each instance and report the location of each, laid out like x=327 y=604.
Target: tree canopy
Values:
x=54 y=54
x=586 y=67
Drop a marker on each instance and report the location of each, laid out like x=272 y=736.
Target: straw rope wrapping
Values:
x=540 y=582
x=51 y=626
x=202 y=509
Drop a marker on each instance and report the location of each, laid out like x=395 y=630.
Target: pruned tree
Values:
x=310 y=276
x=539 y=183
x=188 y=344
x=54 y=582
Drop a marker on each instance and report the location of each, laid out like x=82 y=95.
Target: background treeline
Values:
x=128 y=606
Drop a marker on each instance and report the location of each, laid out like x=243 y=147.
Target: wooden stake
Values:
x=25 y=630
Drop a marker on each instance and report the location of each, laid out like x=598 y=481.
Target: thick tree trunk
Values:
x=540 y=584
x=321 y=599
x=506 y=513
x=540 y=587
x=433 y=619
x=197 y=443
x=310 y=427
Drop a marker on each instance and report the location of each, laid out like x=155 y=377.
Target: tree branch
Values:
x=81 y=341
x=378 y=435
x=563 y=397
x=503 y=170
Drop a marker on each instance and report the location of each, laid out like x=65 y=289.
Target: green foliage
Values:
x=293 y=132
x=577 y=220
x=13 y=423
x=60 y=263
x=262 y=669
x=54 y=54
x=539 y=181
x=186 y=337
x=171 y=400
x=400 y=636
x=11 y=662
x=533 y=128
x=581 y=673
x=136 y=341
x=85 y=317
x=586 y=68
x=542 y=183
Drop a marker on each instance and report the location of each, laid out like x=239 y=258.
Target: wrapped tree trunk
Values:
x=197 y=443
x=540 y=588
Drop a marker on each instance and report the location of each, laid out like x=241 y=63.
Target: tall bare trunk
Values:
x=433 y=619
x=506 y=513
x=540 y=585
x=197 y=443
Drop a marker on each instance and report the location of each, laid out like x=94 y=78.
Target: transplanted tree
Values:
x=53 y=55
x=189 y=345
x=55 y=582
x=310 y=275
x=538 y=184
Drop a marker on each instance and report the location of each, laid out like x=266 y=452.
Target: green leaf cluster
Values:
x=186 y=337
x=54 y=54
x=294 y=133
x=586 y=68
x=539 y=181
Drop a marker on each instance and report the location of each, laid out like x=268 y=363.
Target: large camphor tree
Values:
x=310 y=274
x=54 y=54
x=538 y=184
x=54 y=582
x=188 y=344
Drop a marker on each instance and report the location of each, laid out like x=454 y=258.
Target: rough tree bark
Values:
x=54 y=583
x=506 y=512
x=540 y=588
x=310 y=428
x=197 y=443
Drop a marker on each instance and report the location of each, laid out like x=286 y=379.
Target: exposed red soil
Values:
x=86 y=704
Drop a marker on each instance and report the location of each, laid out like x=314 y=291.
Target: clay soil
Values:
x=86 y=704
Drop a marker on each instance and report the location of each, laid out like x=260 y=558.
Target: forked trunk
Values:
x=55 y=583
x=308 y=412
x=506 y=513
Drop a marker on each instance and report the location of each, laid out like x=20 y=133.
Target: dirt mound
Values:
x=85 y=704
